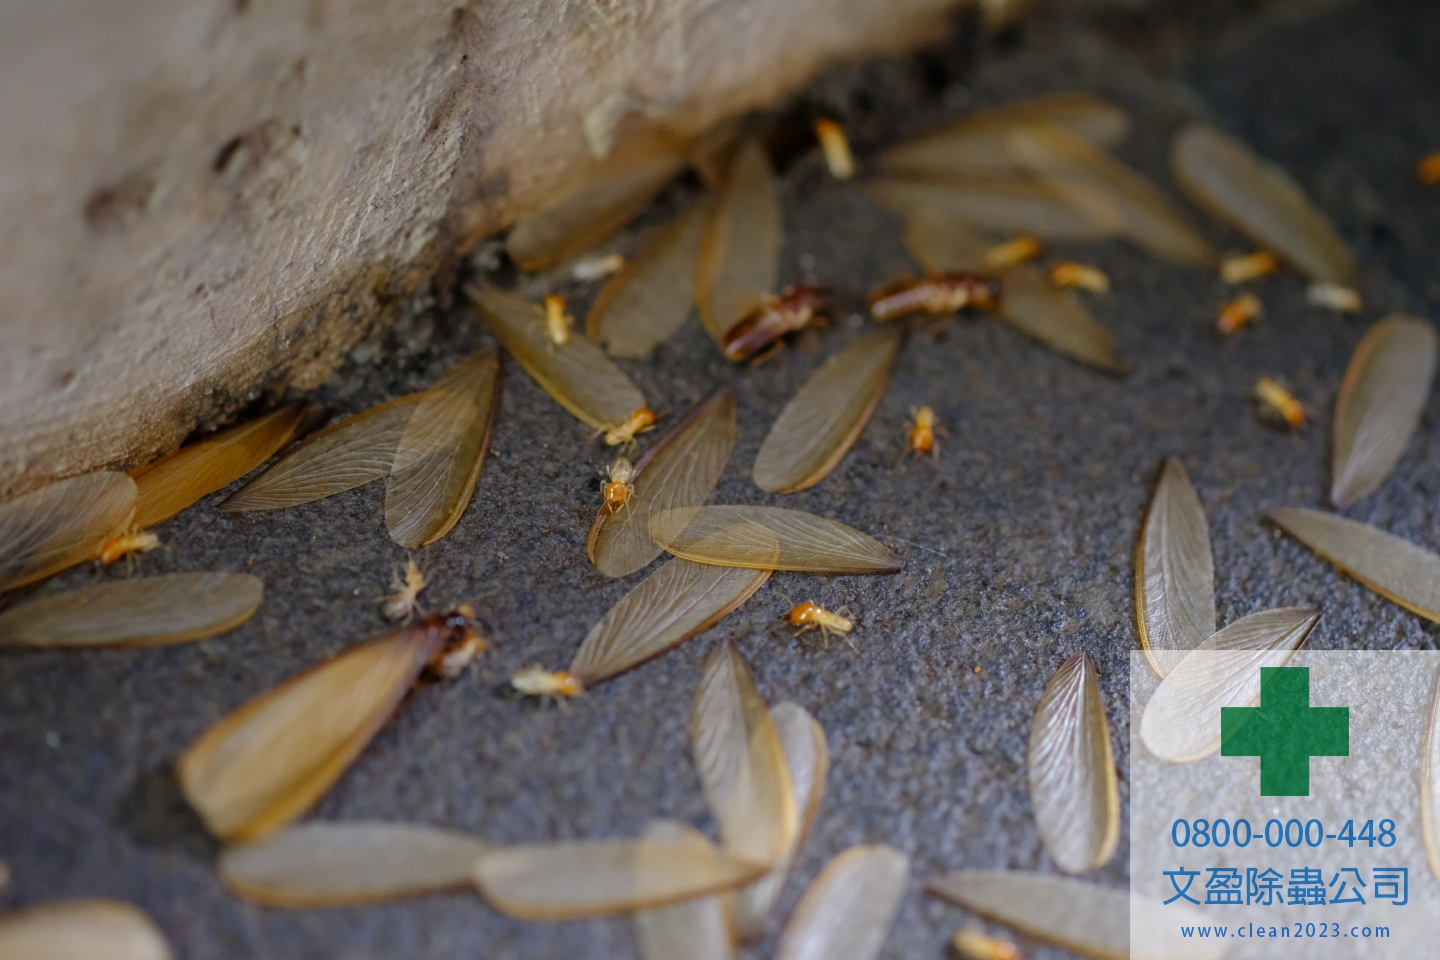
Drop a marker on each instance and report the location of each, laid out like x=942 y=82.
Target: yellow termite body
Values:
x=538 y=682
x=557 y=320
x=618 y=487
x=921 y=432
x=127 y=544
x=1070 y=274
x=1250 y=266
x=1237 y=313
x=640 y=421
x=838 y=158
x=975 y=945
x=812 y=616
x=1428 y=169
x=1011 y=253
x=1334 y=296
x=405 y=602
x=1278 y=400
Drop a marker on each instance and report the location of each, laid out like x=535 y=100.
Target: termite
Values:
x=1237 y=313
x=940 y=293
x=557 y=321
x=1011 y=253
x=1070 y=274
x=1236 y=270
x=404 y=603
x=538 y=682
x=836 y=148
x=617 y=487
x=456 y=655
x=127 y=544
x=920 y=432
x=594 y=266
x=1428 y=169
x=795 y=309
x=1334 y=296
x=812 y=616
x=640 y=421
x=977 y=945
x=1279 y=403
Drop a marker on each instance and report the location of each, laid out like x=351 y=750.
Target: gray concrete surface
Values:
x=1017 y=540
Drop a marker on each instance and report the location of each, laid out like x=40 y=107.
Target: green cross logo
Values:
x=1285 y=731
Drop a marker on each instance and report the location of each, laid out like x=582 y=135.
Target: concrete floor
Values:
x=1017 y=540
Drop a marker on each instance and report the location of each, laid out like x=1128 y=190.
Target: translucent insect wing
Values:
x=174 y=483
x=826 y=416
x=1174 y=572
x=1110 y=192
x=739 y=255
x=346 y=455
x=1396 y=569
x=573 y=880
x=1260 y=200
x=693 y=930
x=848 y=910
x=647 y=301
x=1430 y=783
x=769 y=538
x=269 y=761
x=1073 y=786
x=589 y=214
x=441 y=452
x=1056 y=319
x=1178 y=724
x=1071 y=914
x=332 y=864
x=675 y=603
x=943 y=243
x=741 y=762
x=1385 y=389
x=680 y=470
x=578 y=376
x=808 y=759
x=1006 y=205
x=167 y=609
x=61 y=525
x=81 y=930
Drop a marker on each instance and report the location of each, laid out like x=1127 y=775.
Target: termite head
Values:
x=806 y=612
x=126 y=544
x=640 y=421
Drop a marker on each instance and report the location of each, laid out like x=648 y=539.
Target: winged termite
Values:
x=333 y=864
x=769 y=538
x=173 y=483
x=271 y=760
x=1011 y=253
x=1277 y=406
x=838 y=159
x=976 y=143
x=848 y=910
x=650 y=297
x=1109 y=192
x=61 y=525
x=1384 y=391
x=578 y=375
x=1068 y=274
x=920 y=432
x=1260 y=200
x=1180 y=723
x=679 y=470
x=739 y=255
x=557 y=320
x=808 y=759
x=1073 y=787
x=1396 y=569
x=127 y=545
x=590 y=213
x=147 y=612
x=81 y=930
x=675 y=603
x=1428 y=169
x=795 y=309
x=826 y=416
x=575 y=879
x=696 y=929
x=999 y=204
x=1237 y=313
x=939 y=293
x=1251 y=266
x=542 y=683
x=1174 y=572
x=812 y=616
x=617 y=487
x=741 y=761
x=1090 y=920
x=1430 y=783
x=974 y=944
x=1334 y=296
x=405 y=602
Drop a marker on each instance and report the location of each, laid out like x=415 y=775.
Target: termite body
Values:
x=557 y=320
x=812 y=616
x=617 y=487
x=1279 y=403
x=405 y=603
x=795 y=309
x=640 y=421
x=921 y=432
x=1069 y=274
x=937 y=294
x=538 y=682
x=127 y=544
x=1237 y=313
